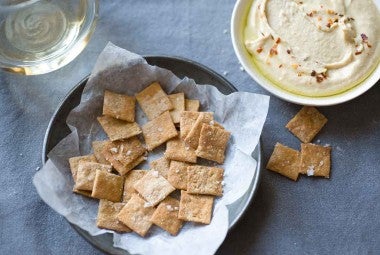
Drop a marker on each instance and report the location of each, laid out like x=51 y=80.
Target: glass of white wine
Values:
x=39 y=36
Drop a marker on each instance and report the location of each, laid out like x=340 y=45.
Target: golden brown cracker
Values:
x=86 y=174
x=187 y=121
x=177 y=175
x=107 y=186
x=118 y=129
x=212 y=143
x=107 y=216
x=197 y=208
x=177 y=149
x=119 y=106
x=98 y=147
x=166 y=216
x=285 y=161
x=74 y=162
x=315 y=160
x=154 y=101
x=161 y=165
x=136 y=215
x=158 y=131
x=191 y=105
x=307 y=123
x=205 y=180
x=178 y=102
x=192 y=137
x=130 y=179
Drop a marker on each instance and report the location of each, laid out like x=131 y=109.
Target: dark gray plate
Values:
x=58 y=129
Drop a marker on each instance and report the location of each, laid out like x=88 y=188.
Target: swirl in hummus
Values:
x=314 y=47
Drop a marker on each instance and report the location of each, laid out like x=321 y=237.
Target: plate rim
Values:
x=255 y=180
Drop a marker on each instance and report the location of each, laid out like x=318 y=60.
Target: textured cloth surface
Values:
x=312 y=216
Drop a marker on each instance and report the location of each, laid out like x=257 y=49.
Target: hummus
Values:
x=314 y=47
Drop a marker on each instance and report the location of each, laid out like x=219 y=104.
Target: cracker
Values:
x=191 y=105
x=107 y=186
x=307 y=123
x=178 y=102
x=177 y=175
x=197 y=208
x=154 y=101
x=118 y=129
x=205 y=180
x=187 y=121
x=285 y=161
x=130 y=179
x=315 y=160
x=136 y=215
x=119 y=106
x=212 y=143
x=158 y=131
x=107 y=216
x=124 y=155
x=192 y=137
x=86 y=174
x=85 y=193
x=161 y=165
x=98 y=147
x=166 y=215
x=153 y=187
x=74 y=162
x=177 y=149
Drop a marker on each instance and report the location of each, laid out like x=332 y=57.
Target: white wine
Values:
x=40 y=31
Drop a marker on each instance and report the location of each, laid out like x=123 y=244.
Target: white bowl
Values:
x=238 y=22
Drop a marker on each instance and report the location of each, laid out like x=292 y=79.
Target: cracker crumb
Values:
x=241 y=68
x=225 y=31
x=225 y=73
x=37 y=168
x=310 y=171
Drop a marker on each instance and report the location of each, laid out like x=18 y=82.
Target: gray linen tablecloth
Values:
x=312 y=216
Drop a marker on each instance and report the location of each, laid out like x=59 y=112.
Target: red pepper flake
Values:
x=319 y=79
x=280 y=66
x=313 y=73
x=328 y=25
x=299 y=74
x=288 y=51
x=309 y=14
x=324 y=75
x=271 y=36
x=273 y=50
x=340 y=15
x=278 y=40
x=358 y=53
x=369 y=45
x=259 y=50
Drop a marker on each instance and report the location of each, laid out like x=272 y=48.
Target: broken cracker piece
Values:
x=315 y=160
x=178 y=102
x=177 y=149
x=119 y=106
x=98 y=147
x=307 y=123
x=118 y=129
x=197 y=208
x=285 y=161
x=107 y=216
x=191 y=105
x=86 y=174
x=158 y=131
x=74 y=162
x=212 y=143
x=192 y=137
x=130 y=180
x=161 y=165
x=107 y=186
x=154 y=101
x=205 y=180
x=153 y=187
x=177 y=175
x=166 y=215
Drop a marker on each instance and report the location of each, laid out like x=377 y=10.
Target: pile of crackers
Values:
x=135 y=199
x=313 y=159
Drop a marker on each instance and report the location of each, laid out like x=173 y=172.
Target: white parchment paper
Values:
x=121 y=71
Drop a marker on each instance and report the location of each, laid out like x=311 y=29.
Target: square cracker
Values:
x=154 y=101
x=178 y=102
x=86 y=174
x=315 y=160
x=177 y=175
x=119 y=106
x=285 y=161
x=98 y=147
x=197 y=208
x=212 y=143
x=107 y=186
x=158 y=131
x=107 y=216
x=191 y=105
x=136 y=215
x=161 y=165
x=205 y=180
x=130 y=179
x=187 y=121
x=306 y=123
x=118 y=129
x=192 y=137
x=177 y=149
x=74 y=162
x=153 y=187
x=166 y=215
x=124 y=155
